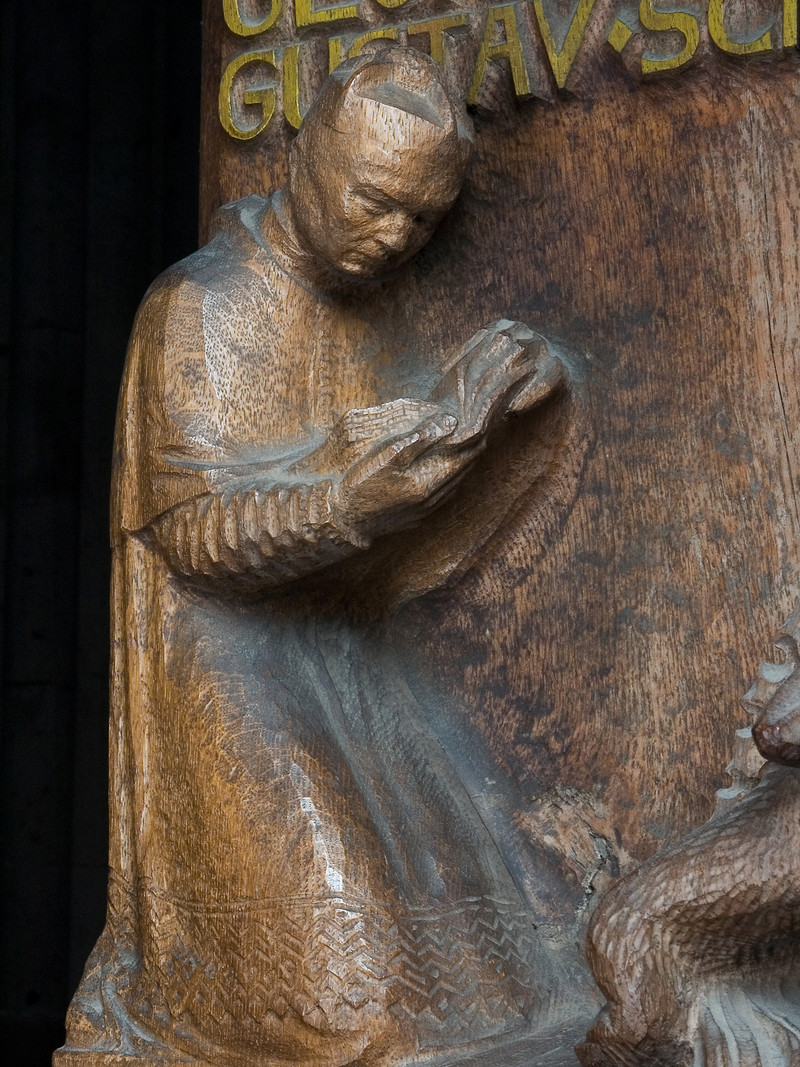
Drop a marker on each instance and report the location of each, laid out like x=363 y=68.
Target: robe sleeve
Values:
x=173 y=488
x=267 y=536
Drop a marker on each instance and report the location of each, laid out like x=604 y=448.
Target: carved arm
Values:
x=379 y=470
x=271 y=524
x=271 y=535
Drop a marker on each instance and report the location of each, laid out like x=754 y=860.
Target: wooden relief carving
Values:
x=315 y=858
x=429 y=626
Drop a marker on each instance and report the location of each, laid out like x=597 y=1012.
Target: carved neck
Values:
x=281 y=236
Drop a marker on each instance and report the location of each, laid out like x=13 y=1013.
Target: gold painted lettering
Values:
x=619 y=35
x=664 y=21
x=291 y=85
x=371 y=35
x=263 y=96
x=561 y=60
x=789 y=23
x=334 y=53
x=246 y=26
x=336 y=44
x=716 y=28
x=435 y=29
x=510 y=48
x=392 y=3
x=306 y=15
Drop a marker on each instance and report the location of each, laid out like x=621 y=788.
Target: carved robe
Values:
x=300 y=867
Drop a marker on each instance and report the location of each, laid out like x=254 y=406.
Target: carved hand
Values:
x=505 y=367
x=397 y=461
x=402 y=477
x=360 y=430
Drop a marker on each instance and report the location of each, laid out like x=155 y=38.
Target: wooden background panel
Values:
x=652 y=226
x=643 y=624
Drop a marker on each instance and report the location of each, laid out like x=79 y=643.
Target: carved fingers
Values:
x=401 y=478
x=357 y=433
x=504 y=367
x=548 y=375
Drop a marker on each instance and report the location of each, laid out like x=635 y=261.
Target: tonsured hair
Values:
x=395 y=77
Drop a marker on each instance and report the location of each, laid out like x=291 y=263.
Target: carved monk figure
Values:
x=301 y=870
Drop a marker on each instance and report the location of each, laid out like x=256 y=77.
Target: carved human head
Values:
x=378 y=161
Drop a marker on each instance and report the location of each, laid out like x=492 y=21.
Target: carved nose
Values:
x=396 y=231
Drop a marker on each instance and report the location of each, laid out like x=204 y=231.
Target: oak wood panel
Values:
x=653 y=227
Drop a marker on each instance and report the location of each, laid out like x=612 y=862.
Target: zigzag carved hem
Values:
x=465 y=968
x=69 y=1058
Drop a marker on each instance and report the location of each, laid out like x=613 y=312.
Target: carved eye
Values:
x=368 y=204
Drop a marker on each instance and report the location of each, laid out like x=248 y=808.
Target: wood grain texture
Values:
x=314 y=857
x=653 y=226
x=571 y=628
x=697 y=951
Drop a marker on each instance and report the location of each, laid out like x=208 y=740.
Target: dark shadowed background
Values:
x=99 y=163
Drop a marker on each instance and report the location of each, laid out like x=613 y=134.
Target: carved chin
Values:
x=362 y=267
x=365 y=263
x=773 y=744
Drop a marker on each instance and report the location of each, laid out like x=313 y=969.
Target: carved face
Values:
x=367 y=195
